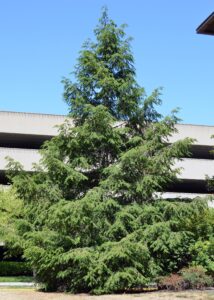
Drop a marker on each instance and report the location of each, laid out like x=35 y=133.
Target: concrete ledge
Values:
x=17 y=284
x=25 y=156
x=44 y=124
x=183 y=196
x=201 y=133
x=194 y=169
x=172 y=195
x=29 y=123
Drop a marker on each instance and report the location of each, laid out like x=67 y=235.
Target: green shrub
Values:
x=203 y=255
x=196 y=277
x=10 y=268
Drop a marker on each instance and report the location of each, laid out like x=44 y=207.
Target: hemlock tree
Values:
x=83 y=224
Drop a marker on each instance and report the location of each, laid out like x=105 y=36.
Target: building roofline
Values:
x=207 y=26
x=31 y=113
x=64 y=116
x=196 y=125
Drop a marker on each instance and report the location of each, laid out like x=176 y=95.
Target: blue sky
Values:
x=40 y=41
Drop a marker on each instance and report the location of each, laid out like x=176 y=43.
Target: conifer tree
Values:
x=82 y=225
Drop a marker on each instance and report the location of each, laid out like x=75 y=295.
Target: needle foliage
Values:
x=91 y=218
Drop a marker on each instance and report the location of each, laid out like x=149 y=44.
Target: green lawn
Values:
x=16 y=279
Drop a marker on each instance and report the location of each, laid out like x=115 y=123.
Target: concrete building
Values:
x=22 y=134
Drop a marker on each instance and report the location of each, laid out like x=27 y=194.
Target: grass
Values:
x=16 y=279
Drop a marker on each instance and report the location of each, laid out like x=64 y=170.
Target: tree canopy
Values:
x=91 y=219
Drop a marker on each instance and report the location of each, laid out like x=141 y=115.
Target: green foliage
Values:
x=10 y=210
x=16 y=279
x=203 y=254
x=170 y=230
x=196 y=278
x=12 y=268
x=120 y=265
x=105 y=74
x=91 y=222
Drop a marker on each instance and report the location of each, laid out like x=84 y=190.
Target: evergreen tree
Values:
x=83 y=226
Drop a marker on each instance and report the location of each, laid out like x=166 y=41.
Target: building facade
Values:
x=22 y=134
